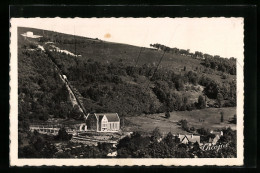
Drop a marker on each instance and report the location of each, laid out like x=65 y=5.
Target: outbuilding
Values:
x=185 y=139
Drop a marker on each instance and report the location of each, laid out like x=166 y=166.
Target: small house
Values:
x=185 y=139
x=103 y=122
x=216 y=138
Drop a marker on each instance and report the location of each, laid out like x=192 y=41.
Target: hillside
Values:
x=111 y=78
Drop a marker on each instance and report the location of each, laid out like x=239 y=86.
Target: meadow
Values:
x=211 y=117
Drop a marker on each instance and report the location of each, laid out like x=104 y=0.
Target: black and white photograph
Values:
x=126 y=91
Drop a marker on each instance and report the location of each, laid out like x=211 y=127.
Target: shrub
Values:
x=203 y=131
x=233 y=120
x=184 y=125
x=201 y=102
x=63 y=135
x=192 y=129
x=167 y=114
x=156 y=134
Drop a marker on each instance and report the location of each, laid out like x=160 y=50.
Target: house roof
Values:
x=216 y=132
x=191 y=138
x=111 y=117
x=215 y=140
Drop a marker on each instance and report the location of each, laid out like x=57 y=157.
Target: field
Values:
x=211 y=117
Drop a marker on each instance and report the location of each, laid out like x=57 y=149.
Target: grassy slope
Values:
x=211 y=117
x=106 y=52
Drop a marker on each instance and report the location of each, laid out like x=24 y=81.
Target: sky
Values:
x=215 y=36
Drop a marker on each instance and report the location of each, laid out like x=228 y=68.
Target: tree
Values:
x=39 y=144
x=222 y=116
x=63 y=135
x=184 y=125
x=156 y=135
x=179 y=84
x=49 y=150
x=167 y=114
x=201 y=102
x=133 y=146
x=61 y=95
x=211 y=90
x=219 y=99
x=203 y=131
x=233 y=120
x=75 y=112
x=169 y=139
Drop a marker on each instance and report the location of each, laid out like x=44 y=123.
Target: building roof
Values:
x=30 y=34
x=220 y=133
x=111 y=117
x=215 y=140
x=191 y=138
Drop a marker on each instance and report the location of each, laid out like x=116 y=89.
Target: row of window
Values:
x=111 y=125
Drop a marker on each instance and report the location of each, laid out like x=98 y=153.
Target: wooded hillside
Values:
x=113 y=77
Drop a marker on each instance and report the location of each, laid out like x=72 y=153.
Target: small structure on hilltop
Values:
x=185 y=139
x=103 y=122
x=30 y=35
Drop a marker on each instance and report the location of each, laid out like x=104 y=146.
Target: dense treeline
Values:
x=134 y=146
x=221 y=64
x=214 y=62
x=40 y=145
x=177 y=51
x=154 y=146
x=172 y=50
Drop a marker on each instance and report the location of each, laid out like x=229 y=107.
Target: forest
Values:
x=41 y=93
x=214 y=62
x=134 y=146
